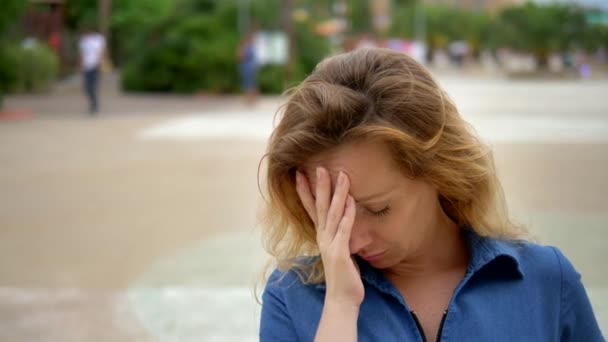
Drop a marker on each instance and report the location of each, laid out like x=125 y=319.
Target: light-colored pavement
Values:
x=139 y=224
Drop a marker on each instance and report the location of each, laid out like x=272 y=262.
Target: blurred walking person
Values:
x=91 y=46
x=248 y=66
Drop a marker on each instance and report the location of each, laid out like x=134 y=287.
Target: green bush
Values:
x=9 y=64
x=27 y=69
x=9 y=22
x=131 y=18
x=194 y=49
x=272 y=79
x=185 y=54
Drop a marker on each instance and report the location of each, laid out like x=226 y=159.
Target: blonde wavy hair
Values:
x=380 y=95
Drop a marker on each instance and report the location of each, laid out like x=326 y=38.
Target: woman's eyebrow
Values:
x=371 y=197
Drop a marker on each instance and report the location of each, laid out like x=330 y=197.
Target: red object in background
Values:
x=15 y=114
x=55 y=41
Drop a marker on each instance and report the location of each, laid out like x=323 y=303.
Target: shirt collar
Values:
x=500 y=258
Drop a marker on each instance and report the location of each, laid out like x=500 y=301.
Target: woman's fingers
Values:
x=336 y=208
x=334 y=215
x=346 y=223
x=322 y=191
x=308 y=201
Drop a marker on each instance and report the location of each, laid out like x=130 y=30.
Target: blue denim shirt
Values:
x=510 y=292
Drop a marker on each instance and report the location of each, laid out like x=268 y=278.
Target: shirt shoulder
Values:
x=291 y=309
x=283 y=280
x=292 y=279
x=548 y=285
x=545 y=260
x=577 y=319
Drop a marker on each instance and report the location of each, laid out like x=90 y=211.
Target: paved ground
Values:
x=139 y=224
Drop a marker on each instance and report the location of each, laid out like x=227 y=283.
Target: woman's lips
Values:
x=372 y=257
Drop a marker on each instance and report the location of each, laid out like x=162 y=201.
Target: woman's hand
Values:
x=333 y=216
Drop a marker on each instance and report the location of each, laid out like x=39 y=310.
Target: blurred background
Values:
x=134 y=218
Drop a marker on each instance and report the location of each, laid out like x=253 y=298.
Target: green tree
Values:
x=445 y=24
x=128 y=20
x=194 y=48
x=359 y=16
x=79 y=13
x=131 y=18
x=441 y=24
x=543 y=29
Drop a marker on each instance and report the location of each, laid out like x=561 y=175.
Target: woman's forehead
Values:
x=367 y=165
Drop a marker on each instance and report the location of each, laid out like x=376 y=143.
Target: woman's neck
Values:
x=443 y=249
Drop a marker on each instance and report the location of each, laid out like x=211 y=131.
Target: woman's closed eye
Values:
x=382 y=212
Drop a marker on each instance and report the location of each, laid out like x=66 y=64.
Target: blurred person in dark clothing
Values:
x=248 y=66
x=91 y=46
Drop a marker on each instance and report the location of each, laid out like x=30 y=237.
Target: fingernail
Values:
x=319 y=172
x=340 y=178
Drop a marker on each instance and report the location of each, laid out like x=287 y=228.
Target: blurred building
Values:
x=43 y=18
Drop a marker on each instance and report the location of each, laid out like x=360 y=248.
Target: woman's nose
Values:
x=360 y=236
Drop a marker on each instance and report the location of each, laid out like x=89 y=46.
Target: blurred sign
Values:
x=271 y=48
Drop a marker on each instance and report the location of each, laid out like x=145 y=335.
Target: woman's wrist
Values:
x=338 y=321
x=344 y=308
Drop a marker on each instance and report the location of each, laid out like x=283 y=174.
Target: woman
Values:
x=388 y=223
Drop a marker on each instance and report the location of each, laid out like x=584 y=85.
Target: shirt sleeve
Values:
x=577 y=321
x=275 y=322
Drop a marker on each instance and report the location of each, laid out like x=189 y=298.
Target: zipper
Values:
x=421 y=331
x=440 y=329
x=419 y=326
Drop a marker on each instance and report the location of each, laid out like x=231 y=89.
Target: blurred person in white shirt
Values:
x=91 y=46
